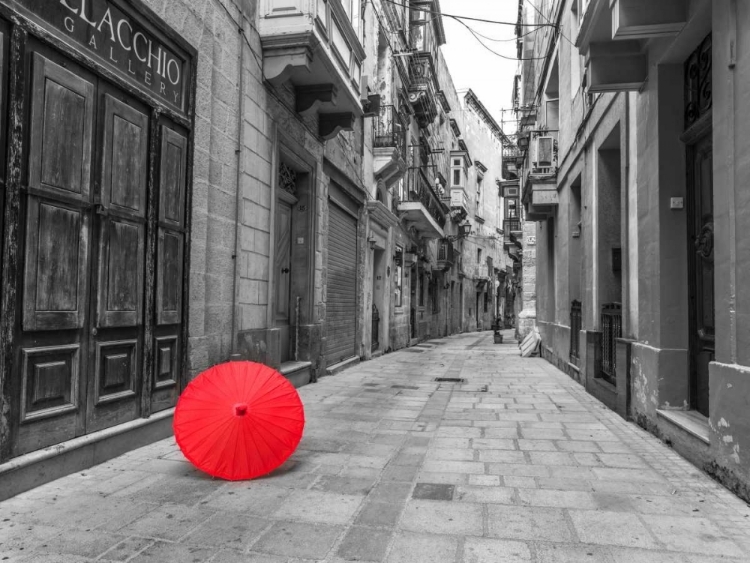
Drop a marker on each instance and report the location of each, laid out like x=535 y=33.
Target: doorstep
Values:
x=341 y=366
x=298 y=373
x=692 y=422
x=42 y=466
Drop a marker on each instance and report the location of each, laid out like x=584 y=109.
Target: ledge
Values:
x=691 y=422
x=36 y=468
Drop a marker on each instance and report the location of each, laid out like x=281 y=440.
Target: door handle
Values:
x=284 y=270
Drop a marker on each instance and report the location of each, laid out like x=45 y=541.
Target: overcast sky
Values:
x=473 y=66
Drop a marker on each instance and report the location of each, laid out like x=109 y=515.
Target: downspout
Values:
x=234 y=355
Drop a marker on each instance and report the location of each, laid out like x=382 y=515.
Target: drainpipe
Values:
x=234 y=355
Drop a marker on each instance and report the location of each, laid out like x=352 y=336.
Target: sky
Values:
x=473 y=66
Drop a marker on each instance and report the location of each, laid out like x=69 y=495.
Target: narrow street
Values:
x=515 y=464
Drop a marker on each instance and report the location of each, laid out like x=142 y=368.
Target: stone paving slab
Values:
x=516 y=464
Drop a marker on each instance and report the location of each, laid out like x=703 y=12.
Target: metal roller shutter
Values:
x=341 y=295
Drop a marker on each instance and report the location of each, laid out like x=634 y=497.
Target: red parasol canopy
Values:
x=239 y=420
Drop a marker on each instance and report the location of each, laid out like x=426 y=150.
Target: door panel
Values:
x=169 y=278
x=702 y=307
x=115 y=368
x=56 y=270
x=116 y=372
x=172 y=184
x=125 y=158
x=283 y=273
x=62 y=114
x=167 y=344
x=120 y=299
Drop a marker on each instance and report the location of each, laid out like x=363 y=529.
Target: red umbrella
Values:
x=239 y=420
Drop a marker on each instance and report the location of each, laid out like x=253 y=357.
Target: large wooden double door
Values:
x=99 y=255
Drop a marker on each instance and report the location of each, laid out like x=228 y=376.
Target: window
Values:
x=479 y=189
x=399 y=272
x=458 y=173
x=479 y=255
x=511 y=208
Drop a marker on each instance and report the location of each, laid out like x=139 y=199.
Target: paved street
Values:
x=516 y=464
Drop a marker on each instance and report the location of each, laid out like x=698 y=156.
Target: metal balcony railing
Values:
x=611 y=331
x=576 y=322
x=389 y=130
x=420 y=190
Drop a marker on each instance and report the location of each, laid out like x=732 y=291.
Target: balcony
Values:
x=614 y=36
x=423 y=88
x=314 y=45
x=511 y=154
x=445 y=257
x=389 y=145
x=540 y=194
x=421 y=207
x=512 y=232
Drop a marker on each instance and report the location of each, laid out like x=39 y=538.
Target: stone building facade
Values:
x=639 y=219
x=247 y=180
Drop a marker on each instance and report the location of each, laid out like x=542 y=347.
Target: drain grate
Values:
x=414 y=350
x=450 y=380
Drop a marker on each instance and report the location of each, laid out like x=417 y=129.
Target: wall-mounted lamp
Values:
x=464 y=230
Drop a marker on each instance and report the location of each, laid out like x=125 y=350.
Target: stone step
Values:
x=298 y=373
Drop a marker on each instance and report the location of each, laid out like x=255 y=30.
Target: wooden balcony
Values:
x=421 y=207
x=389 y=145
x=512 y=231
x=313 y=44
x=446 y=256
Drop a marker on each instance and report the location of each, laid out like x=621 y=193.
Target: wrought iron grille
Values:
x=389 y=130
x=576 y=322
x=611 y=331
x=698 y=84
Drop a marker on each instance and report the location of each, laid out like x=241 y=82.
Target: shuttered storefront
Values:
x=341 y=296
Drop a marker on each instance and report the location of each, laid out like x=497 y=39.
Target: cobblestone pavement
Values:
x=516 y=464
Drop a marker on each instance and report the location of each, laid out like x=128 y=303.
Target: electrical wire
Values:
x=531 y=3
x=507 y=40
x=495 y=52
x=454 y=16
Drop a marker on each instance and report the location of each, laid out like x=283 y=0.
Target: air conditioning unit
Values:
x=364 y=88
x=543 y=152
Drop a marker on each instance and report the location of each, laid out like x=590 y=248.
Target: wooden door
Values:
x=166 y=337
x=115 y=365
x=283 y=272
x=52 y=351
x=701 y=270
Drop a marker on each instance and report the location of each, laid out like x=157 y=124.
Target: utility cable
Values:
x=454 y=16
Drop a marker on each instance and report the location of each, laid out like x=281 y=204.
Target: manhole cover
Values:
x=414 y=351
x=404 y=387
x=450 y=380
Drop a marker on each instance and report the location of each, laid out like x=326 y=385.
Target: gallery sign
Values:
x=123 y=39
